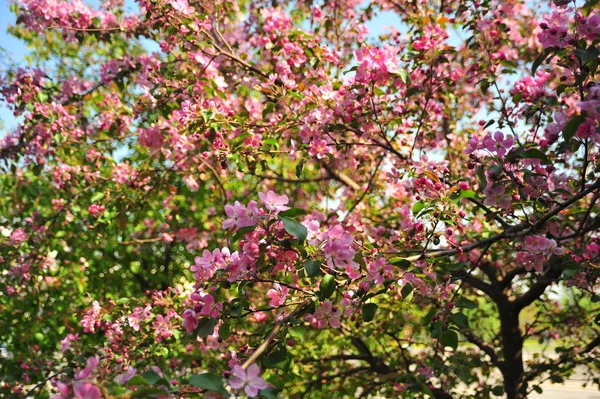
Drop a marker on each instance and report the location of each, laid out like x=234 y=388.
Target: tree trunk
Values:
x=512 y=344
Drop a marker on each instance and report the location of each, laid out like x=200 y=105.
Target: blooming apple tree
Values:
x=259 y=198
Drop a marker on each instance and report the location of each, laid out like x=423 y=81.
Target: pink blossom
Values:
x=96 y=209
x=326 y=315
x=273 y=202
x=182 y=6
x=92 y=363
x=472 y=146
x=248 y=379
x=65 y=343
x=86 y=390
x=277 y=294
x=17 y=236
x=498 y=143
x=496 y=196
x=122 y=379
x=240 y=216
x=555 y=30
x=91 y=318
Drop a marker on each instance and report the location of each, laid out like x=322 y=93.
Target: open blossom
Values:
x=91 y=318
x=240 y=216
x=273 y=202
x=92 y=363
x=536 y=251
x=496 y=196
x=555 y=30
x=277 y=294
x=122 y=379
x=139 y=314
x=248 y=379
x=326 y=315
x=86 y=390
x=497 y=143
x=65 y=343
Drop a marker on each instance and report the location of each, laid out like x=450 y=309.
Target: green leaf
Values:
x=205 y=327
x=269 y=393
x=209 y=381
x=292 y=212
x=406 y=290
x=298 y=332
x=403 y=73
x=299 y=168
x=572 y=125
x=312 y=267
x=225 y=330
x=368 y=311
x=468 y=194
x=137 y=380
x=151 y=376
x=97 y=197
x=466 y=303
x=540 y=59
x=449 y=338
x=327 y=286
x=294 y=228
x=417 y=207
x=148 y=392
x=400 y=262
x=459 y=319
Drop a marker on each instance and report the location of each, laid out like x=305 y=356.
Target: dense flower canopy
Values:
x=260 y=198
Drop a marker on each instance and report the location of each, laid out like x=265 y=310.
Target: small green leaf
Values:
x=417 y=207
x=209 y=381
x=292 y=212
x=137 y=380
x=312 y=267
x=449 y=338
x=299 y=168
x=294 y=228
x=148 y=392
x=572 y=125
x=466 y=303
x=205 y=327
x=406 y=290
x=459 y=319
x=269 y=393
x=151 y=376
x=468 y=194
x=327 y=286
x=368 y=311
x=400 y=262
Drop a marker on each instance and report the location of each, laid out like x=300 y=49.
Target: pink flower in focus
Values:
x=277 y=295
x=273 y=202
x=248 y=379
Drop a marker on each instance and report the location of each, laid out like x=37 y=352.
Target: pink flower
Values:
x=17 y=236
x=96 y=209
x=86 y=390
x=277 y=295
x=182 y=6
x=472 y=146
x=326 y=315
x=240 y=216
x=92 y=363
x=122 y=379
x=496 y=196
x=497 y=143
x=248 y=379
x=273 y=202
